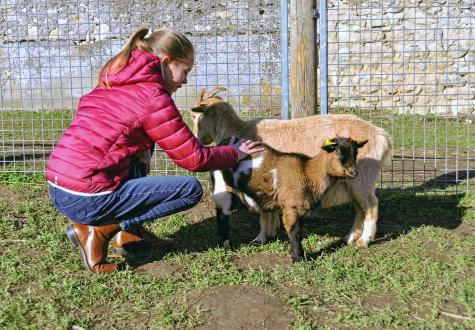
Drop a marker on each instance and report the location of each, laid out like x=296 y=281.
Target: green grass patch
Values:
x=20 y=179
x=427 y=132
x=21 y=127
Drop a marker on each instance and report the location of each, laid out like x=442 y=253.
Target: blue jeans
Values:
x=135 y=201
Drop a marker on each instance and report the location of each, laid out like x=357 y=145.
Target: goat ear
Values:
x=329 y=148
x=199 y=108
x=360 y=144
x=330 y=145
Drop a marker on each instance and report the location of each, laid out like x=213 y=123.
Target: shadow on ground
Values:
x=400 y=211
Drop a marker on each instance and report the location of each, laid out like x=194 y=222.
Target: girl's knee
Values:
x=196 y=191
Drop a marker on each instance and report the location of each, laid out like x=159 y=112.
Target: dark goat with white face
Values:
x=292 y=182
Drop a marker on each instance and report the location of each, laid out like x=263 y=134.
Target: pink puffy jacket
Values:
x=111 y=126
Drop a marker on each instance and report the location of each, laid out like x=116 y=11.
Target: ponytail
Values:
x=120 y=61
x=160 y=42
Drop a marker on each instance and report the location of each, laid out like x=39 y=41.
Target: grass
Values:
x=428 y=132
x=418 y=274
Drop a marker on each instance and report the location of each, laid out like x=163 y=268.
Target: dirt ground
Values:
x=240 y=307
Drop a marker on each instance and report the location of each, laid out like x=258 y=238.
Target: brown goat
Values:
x=294 y=183
x=215 y=119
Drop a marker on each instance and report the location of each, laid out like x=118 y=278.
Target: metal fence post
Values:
x=284 y=44
x=323 y=57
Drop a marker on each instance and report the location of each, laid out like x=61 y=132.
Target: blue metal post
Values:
x=323 y=58
x=284 y=45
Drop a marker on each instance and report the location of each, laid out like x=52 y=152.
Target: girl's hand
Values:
x=245 y=148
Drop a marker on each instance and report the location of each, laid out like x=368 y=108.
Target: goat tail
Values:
x=386 y=146
x=379 y=148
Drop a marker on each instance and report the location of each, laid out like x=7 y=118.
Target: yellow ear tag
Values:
x=329 y=143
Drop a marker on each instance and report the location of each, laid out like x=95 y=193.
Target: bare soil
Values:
x=163 y=269
x=430 y=172
x=240 y=307
x=262 y=261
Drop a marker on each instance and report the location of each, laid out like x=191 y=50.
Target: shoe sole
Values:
x=75 y=241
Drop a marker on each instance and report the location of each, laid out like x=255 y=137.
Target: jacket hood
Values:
x=143 y=67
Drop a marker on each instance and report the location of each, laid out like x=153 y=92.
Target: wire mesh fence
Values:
x=52 y=51
x=409 y=66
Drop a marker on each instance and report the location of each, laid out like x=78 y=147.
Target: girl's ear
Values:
x=165 y=60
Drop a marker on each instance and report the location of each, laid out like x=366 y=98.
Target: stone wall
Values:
x=51 y=51
x=402 y=55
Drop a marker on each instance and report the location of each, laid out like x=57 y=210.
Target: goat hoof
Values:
x=226 y=245
x=259 y=240
x=297 y=259
x=361 y=244
x=352 y=238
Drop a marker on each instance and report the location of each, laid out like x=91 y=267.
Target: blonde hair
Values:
x=160 y=42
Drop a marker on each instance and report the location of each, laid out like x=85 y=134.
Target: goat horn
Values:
x=201 y=94
x=215 y=90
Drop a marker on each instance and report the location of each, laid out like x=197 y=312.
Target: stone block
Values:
x=452 y=80
x=459 y=93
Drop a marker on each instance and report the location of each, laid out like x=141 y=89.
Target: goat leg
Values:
x=358 y=223
x=225 y=202
x=364 y=228
x=293 y=228
x=274 y=223
x=222 y=223
x=265 y=224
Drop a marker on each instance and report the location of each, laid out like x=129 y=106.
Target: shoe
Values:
x=136 y=240
x=93 y=242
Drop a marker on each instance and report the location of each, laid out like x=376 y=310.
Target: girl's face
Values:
x=176 y=72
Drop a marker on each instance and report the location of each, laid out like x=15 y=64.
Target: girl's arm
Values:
x=164 y=124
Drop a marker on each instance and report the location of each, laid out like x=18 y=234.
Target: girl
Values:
x=96 y=173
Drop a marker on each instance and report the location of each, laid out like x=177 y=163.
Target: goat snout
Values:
x=352 y=173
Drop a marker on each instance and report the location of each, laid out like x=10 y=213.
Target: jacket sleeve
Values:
x=164 y=125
